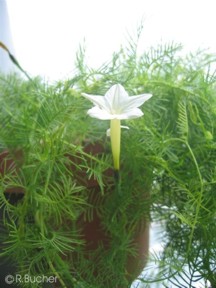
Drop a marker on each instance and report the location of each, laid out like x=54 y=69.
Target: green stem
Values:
x=56 y=274
x=200 y=195
x=61 y=281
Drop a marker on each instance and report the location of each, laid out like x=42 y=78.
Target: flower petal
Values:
x=97 y=100
x=122 y=126
x=125 y=127
x=130 y=114
x=101 y=114
x=135 y=101
x=115 y=98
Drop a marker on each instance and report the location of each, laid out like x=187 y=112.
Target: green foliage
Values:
x=168 y=169
x=176 y=138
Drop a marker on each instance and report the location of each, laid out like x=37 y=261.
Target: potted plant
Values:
x=65 y=172
x=73 y=215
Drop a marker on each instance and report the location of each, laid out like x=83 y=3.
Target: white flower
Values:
x=116 y=105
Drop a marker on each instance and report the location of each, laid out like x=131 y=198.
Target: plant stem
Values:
x=61 y=281
x=14 y=60
x=56 y=273
x=117 y=179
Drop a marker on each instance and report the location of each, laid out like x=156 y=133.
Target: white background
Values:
x=46 y=33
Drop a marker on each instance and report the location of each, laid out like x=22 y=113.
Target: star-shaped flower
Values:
x=116 y=105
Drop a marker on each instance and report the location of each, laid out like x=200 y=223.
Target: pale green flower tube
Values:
x=115 y=134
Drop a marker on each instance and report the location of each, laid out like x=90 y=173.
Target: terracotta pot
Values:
x=10 y=162
x=93 y=232
x=13 y=196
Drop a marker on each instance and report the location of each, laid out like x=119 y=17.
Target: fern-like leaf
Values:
x=182 y=122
